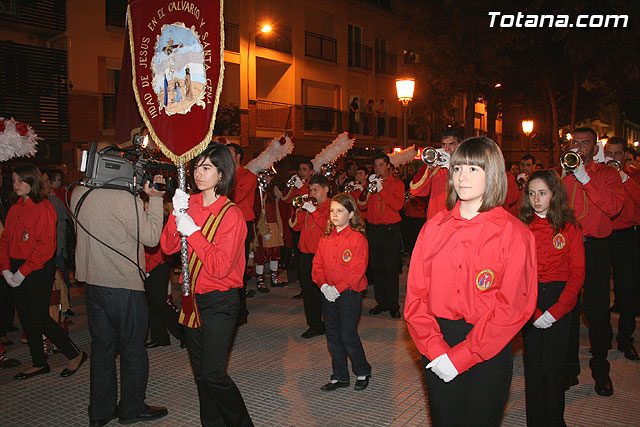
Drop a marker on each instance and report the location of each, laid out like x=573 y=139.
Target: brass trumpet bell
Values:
x=291 y=182
x=298 y=201
x=615 y=164
x=571 y=160
x=430 y=156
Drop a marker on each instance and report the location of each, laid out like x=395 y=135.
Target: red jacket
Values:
x=29 y=234
x=630 y=213
x=154 y=257
x=416 y=207
x=482 y=270
x=244 y=192
x=433 y=183
x=384 y=206
x=511 y=202
x=341 y=260
x=597 y=202
x=311 y=226
x=560 y=258
x=223 y=261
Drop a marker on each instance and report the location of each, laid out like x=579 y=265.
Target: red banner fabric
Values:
x=177 y=56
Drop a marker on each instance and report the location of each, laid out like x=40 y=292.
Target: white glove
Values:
x=8 y=275
x=17 y=278
x=378 y=185
x=330 y=292
x=581 y=174
x=308 y=206
x=444 y=158
x=443 y=368
x=180 y=202
x=297 y=182
x=544 y=321
x=185 y=224
x=624 y=176
x=358 y=186
x=522 y=177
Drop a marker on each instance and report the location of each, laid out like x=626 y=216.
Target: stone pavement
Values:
x=279 y=375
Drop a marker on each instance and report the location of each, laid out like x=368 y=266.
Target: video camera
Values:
x=128 y=170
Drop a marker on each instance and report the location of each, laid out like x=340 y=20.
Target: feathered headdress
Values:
x=405 y=156
x=17 y=139
x=331 y=152
x=277 y=149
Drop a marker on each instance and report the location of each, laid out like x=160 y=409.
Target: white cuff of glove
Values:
x=444 y=159
x=581 y=175
x=379 y=185
x=186 y=225
x=330 y=292
x=308 y=206
x=298 y=182
x=180 y=202
x=544 y=321
x=17 y=278
x=624 y=176
x=443 y=368
x=8 y=275
x=358 y=186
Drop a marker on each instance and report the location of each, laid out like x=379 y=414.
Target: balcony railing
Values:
x=227 y=120
x=109 y=110
x=274 y=115
x=321 y=47
x=322 y=119
x=373 y=124
x=386 y=63
x=279 y=38
x=360 y=56
x=231 y=37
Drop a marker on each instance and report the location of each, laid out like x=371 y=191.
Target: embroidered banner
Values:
x=177 y=57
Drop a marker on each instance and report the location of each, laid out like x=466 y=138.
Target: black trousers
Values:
x=411 y=227
x=221 y=403
x=161 y=316
x=242 y=292
x=595 y=304
x=7 y=308
x=32 y=300
x=384 y=264
x=475 y=397
x=118 y=321
x=341 y=325
x=311 y=295
x=295 y=272
x=624 y=257
x=545 y=352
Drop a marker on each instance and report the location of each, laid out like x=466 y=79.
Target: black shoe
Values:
x=297 y=296
x=263 y=289
x=100 y=423
x=570 y=382
x=333 y=386
x=250 y=293
x=280 y=285
x=310 y=333
x=629 y=352
x=154 y=344
x=68 y=372
x=604 y=387
x=395 y=314
x=362 y=384
x=22 y=376
x=377 y=310
x=150 y=413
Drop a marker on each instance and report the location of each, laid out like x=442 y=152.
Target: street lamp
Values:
x=527 y=128
x=604 y=138
x=404 y=88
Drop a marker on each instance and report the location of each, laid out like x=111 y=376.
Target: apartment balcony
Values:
x=109 y=101
x=231 y=37
x=360 y=56
x=273 y=115
x=386 y=63
x=322 y=119
x=321 y=47
x=279 y=38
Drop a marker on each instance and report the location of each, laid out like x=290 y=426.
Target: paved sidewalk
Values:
x=279 y=375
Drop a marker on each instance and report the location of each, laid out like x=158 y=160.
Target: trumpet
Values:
x=291 y=182
x=430 y=156
x=571 y=160
x=615 y=164
x=407 y=195
x=371 y=186
x=299 y=200
x=350 y=187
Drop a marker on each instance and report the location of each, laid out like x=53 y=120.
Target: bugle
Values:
x=615 y=164
x=571 y=160
x=430 y=156
x=298 y=201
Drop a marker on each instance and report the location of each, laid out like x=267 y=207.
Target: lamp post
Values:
x=527 y=128
x=404 y=88
x=266 y=28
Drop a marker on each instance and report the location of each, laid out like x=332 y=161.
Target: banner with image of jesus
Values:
x=177 y=58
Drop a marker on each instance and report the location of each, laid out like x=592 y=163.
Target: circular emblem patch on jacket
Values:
x=346 y=255
x=485 y=279
x=25 y=236
x=559 y=241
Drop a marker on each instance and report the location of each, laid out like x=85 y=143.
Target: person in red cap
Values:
x=472 y=285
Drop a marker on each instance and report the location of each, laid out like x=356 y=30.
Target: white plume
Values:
x=12 y=144
x=331 y=152
x=277 y=150
x=404 y=156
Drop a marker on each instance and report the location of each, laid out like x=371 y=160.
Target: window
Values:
x=115 y=11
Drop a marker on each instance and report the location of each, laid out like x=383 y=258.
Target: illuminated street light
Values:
x=636 y=143
x=569 y=136
x=266 y=28
x=604 y=138
x=404 y=88
x=527 y=127
x=498 y=84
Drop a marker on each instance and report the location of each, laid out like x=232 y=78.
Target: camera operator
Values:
x=116 y=302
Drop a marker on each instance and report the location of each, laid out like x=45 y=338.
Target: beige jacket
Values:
x=110 y=216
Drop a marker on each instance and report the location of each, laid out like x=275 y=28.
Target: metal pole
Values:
x=184 y=251
x=405 y=132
